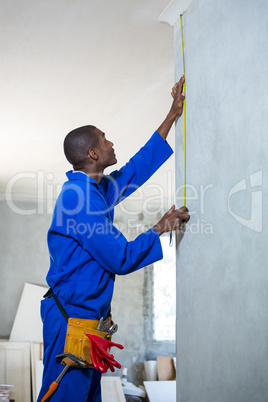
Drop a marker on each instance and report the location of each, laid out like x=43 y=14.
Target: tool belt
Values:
x=76 y=340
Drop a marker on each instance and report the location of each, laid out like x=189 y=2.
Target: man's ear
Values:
x=92 y=154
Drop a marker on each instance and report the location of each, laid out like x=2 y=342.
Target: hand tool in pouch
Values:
x=71 y=361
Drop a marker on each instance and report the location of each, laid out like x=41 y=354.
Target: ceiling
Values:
x=67 y=63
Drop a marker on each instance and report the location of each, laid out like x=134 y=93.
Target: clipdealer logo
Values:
x=255 y=221
x=48 y=191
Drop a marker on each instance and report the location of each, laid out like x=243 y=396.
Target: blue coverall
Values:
x=86 y=252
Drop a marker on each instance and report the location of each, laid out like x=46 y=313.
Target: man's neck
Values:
x=97 y=176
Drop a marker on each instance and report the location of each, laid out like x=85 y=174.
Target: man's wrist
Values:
x=163 y=130
x=158 y=229
x=172 y=115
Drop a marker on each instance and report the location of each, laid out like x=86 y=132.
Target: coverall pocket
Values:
x=52 y=322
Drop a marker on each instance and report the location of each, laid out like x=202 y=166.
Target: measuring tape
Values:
x=184 y=125
x=184 y=115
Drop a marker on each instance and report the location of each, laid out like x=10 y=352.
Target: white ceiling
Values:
x=67 y=63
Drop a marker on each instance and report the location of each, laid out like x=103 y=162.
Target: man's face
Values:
x=105 y=150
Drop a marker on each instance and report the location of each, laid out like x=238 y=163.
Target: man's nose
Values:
x=111 y=143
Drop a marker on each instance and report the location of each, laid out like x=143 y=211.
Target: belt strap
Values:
x=60 y=306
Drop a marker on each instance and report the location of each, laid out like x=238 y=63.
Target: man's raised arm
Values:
x=175 y=110
x=121 y=183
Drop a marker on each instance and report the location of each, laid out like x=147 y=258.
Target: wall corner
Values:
x=174 y=9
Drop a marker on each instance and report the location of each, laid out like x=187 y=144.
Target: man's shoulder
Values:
x=77 y=194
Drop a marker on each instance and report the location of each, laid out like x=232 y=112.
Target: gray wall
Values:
x=24 y=257
x=222 y=277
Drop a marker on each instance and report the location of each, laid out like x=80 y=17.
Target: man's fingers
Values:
x=185 y=218
x=174 y=219
x=181 y=81
x=180 y=218
x=172 y=209
x=178 y=88
x=183 y=215
x=183 y=209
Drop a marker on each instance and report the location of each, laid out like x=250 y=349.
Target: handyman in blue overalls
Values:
x=87 y=251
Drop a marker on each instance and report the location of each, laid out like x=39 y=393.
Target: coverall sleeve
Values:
x=108 y=246
x=121 y=183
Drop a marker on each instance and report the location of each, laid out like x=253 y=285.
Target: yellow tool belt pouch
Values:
x=77 y=342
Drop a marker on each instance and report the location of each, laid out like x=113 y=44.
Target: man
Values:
x=87 y=251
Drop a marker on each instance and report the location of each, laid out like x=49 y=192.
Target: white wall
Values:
x=69 y=63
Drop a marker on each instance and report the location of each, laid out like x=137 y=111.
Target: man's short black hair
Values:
x=77 y=144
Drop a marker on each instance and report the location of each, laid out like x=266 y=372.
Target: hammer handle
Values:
x=52 y=388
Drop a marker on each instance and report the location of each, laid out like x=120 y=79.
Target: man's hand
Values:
x=174 y=219
x=175 y=110
x=178 y=96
